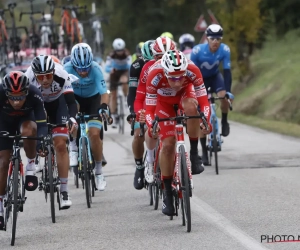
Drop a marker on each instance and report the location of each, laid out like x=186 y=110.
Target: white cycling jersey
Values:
x=62 y=83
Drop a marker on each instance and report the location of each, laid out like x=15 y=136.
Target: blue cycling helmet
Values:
x=81 y=57
x=65 y=60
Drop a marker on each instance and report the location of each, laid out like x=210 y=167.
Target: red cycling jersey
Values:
x=160 y=97
x=139 y=102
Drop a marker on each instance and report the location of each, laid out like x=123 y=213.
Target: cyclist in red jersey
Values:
x=175 y=80
x=159 y=47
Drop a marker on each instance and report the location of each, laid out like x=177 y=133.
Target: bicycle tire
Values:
x=86 y=173
x=215 y=144
x=157 y=187
x=185 y=188
x=51 y=184
x=121 y=115
x=150 y=189
x=92 y=179
x=15 y=200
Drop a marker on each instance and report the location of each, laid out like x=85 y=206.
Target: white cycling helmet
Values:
x=174 y=62
x=186 y=38
x=118 y=44
x=162 y=45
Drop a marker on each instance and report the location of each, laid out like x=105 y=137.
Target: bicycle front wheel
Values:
x=215 y=143
x=51 y=183
x=85 y=165
x=185 y=188
x=15 y=207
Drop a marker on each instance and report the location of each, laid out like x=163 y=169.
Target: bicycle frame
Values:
x=214 y=119
x=180 y=142
x=84 y=136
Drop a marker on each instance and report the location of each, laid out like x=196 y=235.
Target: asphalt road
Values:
x=255 y=194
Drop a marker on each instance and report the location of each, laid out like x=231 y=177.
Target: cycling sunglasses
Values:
x=175 y=78
x=16 y=98
x=83 y=70
x=212 y=39
x=41 y=76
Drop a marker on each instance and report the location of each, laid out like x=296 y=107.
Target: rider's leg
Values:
x=219 y=87
x=96 y=145
x=114 y=79
x=29 y=128
x=5 y=152
x=138 y=151
x=189 y=104
x=124 y=80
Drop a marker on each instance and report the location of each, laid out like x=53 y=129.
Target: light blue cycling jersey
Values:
x=88 y=86
x=209 y=62
x=118 y=62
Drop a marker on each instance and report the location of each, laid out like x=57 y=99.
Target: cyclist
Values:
x=174 y=80
x=134 y=79
x=55 y=85
x=158 y=48
x=22 y=110
x=65 y=60
x=167 y=34
x=55 y=59
x=89 y=91
x=138 y=52
x=207 y=58
x=117 y=65
x=186 y=42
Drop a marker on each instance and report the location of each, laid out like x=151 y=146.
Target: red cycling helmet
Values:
x=15 y=82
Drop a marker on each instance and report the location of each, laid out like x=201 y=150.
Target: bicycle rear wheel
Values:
x=185 y=189
x=215 y=143
x=157 y=189
x=15 y=206
x=121 y=115
x=51 y=183
x=85 y=166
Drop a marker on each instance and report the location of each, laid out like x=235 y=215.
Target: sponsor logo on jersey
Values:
x=151 y=102
x=38 y=97
x=151 y=95
x=156 y=79
x=136 y=65
x=191 y=75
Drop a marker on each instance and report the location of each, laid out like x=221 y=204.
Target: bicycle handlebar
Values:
x=82 y=118
x=142 y=125
x=178 y=120
x=29 y=13
x=5 y=134
x=213 y=98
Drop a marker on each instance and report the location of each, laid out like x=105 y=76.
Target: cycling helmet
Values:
x=65 y=60
x=42 y=64
x=138 y=48
x=162 y=45
x=214 y=30
x=174 y=62
x=146 y=50
x=15 y=82
x=85 y=45
x=118 y=44
x=186 y=40
x=167 y=34
x=81 y=56
x=55 y=59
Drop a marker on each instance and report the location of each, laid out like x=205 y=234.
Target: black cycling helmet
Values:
x=15 y=82
x=42 y=64
x=214 y=30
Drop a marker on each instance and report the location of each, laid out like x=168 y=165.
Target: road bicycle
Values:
x=49 y=181
x=214 y=141
x=182 y=183
x=86 y=162
x=15 y=188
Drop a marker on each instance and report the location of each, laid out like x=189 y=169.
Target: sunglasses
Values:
x=41 y=76
x=16 y=98
x=212 y=39
x=175 y=78
x=83 y=70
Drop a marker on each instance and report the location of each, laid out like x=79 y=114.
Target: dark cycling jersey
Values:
x=134 y=76
x=34 y=103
